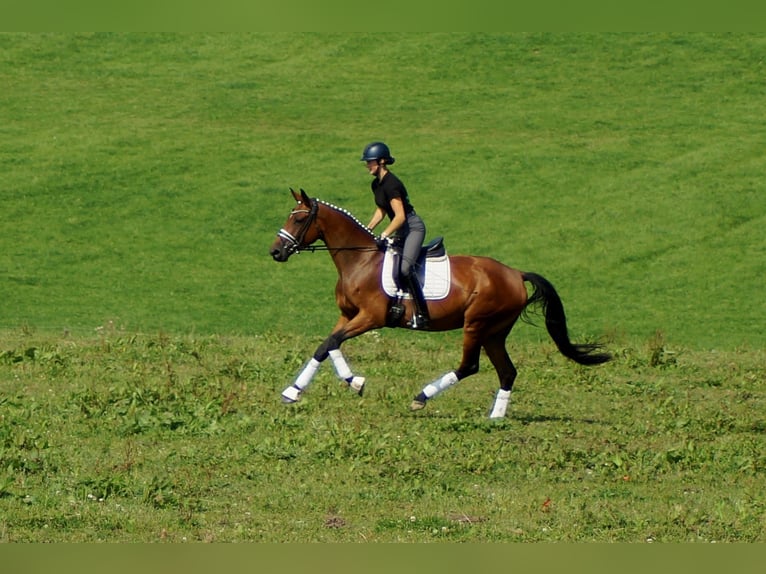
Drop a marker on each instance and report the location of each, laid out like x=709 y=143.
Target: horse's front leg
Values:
x=330 y=347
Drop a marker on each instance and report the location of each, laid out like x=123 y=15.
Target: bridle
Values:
x=292 y=244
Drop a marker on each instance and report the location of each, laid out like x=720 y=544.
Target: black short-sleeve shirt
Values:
x=388 y=188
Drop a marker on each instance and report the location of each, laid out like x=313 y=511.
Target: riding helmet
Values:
x=377 y=151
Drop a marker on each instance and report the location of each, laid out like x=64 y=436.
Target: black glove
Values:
x=382 y=243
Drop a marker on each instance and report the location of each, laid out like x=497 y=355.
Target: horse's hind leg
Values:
x=469 y=366
x=506 y=372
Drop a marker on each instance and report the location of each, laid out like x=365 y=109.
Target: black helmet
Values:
x=377 y=151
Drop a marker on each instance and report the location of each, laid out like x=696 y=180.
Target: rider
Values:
x=391 y=200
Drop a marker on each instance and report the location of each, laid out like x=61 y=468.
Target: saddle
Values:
x=433 y=270
x=434 y=248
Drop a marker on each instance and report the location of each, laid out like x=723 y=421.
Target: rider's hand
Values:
x=383 y=243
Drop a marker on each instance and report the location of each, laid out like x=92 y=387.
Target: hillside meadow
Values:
x=145 y=175
x=145 y=333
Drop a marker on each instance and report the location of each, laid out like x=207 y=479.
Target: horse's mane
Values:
x=348 y=214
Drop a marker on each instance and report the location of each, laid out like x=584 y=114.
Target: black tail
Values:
x=556 y=323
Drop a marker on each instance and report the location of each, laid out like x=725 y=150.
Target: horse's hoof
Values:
x=357 y=383
x=417 y=405
x=291 y=395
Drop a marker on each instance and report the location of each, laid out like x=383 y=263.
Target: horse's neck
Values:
x=349 y=242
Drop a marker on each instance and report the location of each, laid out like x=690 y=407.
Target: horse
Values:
x=485 y=299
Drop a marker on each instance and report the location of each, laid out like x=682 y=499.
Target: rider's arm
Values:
x=399 y=217
x=377 y=217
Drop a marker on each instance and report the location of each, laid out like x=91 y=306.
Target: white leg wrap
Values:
x=292 y=393
x=501 y=404
x=307 y=374
x=440 y=385
x=341 y=366
x=344 y=371
x=357 y=383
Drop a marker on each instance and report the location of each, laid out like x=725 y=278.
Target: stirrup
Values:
x=418 y=321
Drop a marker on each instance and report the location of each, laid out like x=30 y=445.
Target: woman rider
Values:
x=391 y=200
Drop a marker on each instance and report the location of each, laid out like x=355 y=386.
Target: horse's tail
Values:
x=556 y=323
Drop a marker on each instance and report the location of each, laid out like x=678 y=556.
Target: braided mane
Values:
x=348 y=214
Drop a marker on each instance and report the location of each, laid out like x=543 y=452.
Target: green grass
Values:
x=145 y=333
x=145 y=175
x=132 y=438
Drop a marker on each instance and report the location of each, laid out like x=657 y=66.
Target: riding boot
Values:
x=420 y=317
x=396 y=304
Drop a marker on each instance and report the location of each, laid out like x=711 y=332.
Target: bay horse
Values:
x=485 y=299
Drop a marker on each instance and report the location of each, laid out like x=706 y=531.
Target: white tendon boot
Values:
x=440 y=385
x=292 y=393
x=501 y=404
x=357 y=384
x=344 y=372
x=434 y=388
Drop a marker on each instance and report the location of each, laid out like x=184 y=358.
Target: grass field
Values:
x=129 y=438
x=144 y=176
x=145 y=334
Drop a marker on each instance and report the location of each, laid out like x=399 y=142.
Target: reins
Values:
x=293 y=244
x=313 y=248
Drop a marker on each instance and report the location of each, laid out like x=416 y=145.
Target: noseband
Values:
x=293 y=244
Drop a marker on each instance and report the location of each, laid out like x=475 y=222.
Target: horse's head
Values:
x=300 y=229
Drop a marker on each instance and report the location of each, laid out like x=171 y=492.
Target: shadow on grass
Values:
x=463 y=422
x=527 y=419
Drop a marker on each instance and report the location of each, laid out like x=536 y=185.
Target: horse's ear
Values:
x=305 y=198
x=295 y=195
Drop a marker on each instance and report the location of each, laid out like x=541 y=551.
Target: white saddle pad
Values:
x=437 y=277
